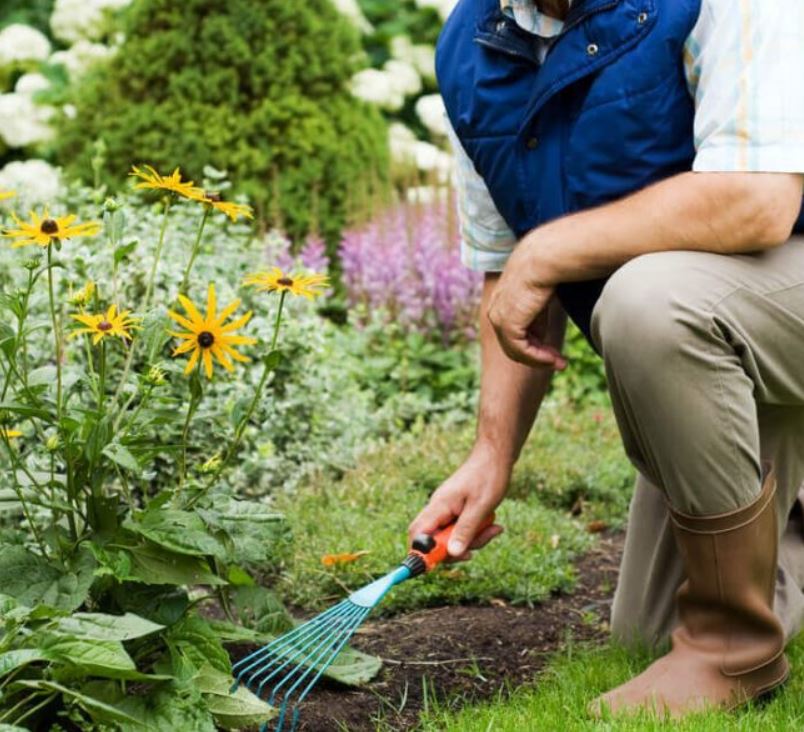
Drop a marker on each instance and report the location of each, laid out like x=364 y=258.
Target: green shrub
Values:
x=30 y=12
x=256 y=89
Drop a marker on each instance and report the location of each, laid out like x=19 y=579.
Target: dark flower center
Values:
x=105 y=325
x=205 y=339
x=285 y=282
x=49 y=226
x=213 y=196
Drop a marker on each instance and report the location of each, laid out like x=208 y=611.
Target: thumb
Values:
x=466 y=527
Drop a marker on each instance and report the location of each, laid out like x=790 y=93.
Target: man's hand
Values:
x=519 y=315
x=470 y=495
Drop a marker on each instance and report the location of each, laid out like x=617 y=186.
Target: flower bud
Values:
x=155 y=376
x=52 y=443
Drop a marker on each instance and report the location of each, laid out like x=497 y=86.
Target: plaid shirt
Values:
x=743 y=60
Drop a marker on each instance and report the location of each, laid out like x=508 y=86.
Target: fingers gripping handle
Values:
x=427 y=551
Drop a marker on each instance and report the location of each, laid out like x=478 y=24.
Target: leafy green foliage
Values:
x=256 y=89
x=28 y=12
x=584 y=381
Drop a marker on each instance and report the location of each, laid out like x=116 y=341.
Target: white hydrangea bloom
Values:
x=352 y=12
x=376 y=87
x=34 y=181
x=20 y=43
x=74 y=20
x=403 y=76
x=22 y=122
x=432 y=114
x=80 y=56
x=30 y=84
x=444 y=7
x=406 y=149
x=419 y=55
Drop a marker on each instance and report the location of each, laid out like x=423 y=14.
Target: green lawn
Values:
x=558 y=701
x=573 y=460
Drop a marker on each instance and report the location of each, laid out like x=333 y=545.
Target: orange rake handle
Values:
x=429 y=550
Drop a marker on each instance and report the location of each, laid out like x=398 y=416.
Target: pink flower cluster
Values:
x=406 y=264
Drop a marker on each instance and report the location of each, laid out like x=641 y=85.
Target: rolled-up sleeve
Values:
x=744 y=62
x=486 y=239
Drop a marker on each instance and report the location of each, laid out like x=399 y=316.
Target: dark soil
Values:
x=469 y=653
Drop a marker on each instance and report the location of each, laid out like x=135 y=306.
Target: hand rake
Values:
x=291 y=664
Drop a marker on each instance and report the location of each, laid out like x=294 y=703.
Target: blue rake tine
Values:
x=332 y=647
x=321 y=632
x=339 y=624
x=321 y=669
x=288 y=639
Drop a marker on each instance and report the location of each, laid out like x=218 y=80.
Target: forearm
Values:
x=510 y=393
x=724 y=213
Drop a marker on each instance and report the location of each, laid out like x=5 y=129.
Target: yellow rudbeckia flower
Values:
x=233 y=210
x=152 y=180
x=210 y=335
x=275 y=280
x=44 y=230
x=110 y=323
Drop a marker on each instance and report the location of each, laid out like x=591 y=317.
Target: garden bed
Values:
x=466 y=653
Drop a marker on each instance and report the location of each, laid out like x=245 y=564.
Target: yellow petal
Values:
x=212 y=302
x=191 y=309
x=208 y=363
x=193 y=360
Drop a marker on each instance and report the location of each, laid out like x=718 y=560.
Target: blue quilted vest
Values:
x=606 y=114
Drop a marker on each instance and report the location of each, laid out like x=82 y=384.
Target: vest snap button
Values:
x=592 y=49
x=532 y=143
x=501 y=26
x=641 y=18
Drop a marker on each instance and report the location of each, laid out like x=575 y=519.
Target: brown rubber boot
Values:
x=729 y=645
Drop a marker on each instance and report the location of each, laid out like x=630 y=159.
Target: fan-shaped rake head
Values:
x=290 y=666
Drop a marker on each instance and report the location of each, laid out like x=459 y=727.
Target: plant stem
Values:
x=149 y=291
x=56 y=334
x=185 y=280
x=241 y=426
x=191 y=407
x=17 y=488
x=102 y=376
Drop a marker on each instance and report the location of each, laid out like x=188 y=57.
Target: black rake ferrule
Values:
x=415 y=564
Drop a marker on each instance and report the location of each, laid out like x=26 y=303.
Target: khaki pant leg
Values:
x=644 y=609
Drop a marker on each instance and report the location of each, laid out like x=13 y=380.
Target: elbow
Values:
x=772 y=205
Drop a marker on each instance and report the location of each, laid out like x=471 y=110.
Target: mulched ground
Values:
x=466 y=652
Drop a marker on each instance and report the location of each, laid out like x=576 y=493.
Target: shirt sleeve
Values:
x=744 y=63
x=486 y=239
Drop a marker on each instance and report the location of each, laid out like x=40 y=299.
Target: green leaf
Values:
x=180 y=531
x=105 y=658
x=154 y=334
x=25 y=411
x=273 y=359
x=22 y=657
x=121 y=456
x=32 y=580
x=231 y=710
x=154 y=565
x=100 y=626
x=260 y=609
x=11 y=728
x=354 y=668
x=252 y=526
x=193 y=638
x=121 y=252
